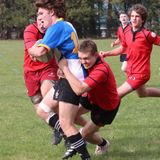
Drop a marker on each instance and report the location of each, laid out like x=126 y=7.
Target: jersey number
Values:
x=75 y=41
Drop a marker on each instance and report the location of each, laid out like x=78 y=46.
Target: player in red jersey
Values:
x=139 y=42
x=39 y=77
x=100 y=85
x=124 y=20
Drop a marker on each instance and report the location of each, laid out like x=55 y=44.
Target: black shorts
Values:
x=99 y=116
x=63 y=92
x=123 y=57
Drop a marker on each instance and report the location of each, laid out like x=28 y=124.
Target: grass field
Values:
x=134 y=134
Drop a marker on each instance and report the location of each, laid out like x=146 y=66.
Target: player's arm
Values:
x=37 y=51
x=115 y=43
x=117 y=51
x=77 y=86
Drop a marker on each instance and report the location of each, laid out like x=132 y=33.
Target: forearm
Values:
x=75 y=84
x=114 y=52
x=37 y=51
x=116 y=42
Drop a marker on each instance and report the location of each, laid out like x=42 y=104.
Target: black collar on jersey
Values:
x=98 y=60
x=125 y=26
x=135 y=32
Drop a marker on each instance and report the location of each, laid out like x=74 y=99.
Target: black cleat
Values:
x=69 y=153
x=85 y=158
x=57 y=137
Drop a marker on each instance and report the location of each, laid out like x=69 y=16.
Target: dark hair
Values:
x=88 y=46
x=141 y=10
x=122 y=12
x=57 y=5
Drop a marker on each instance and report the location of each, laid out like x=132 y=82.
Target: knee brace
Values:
x=45 y=108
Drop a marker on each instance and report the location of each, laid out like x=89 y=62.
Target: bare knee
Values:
x=43 y=111
x=84 y=133
x=141 y=94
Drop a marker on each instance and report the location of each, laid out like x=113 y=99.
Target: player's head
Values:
x=138 y=10
x=55 y=6
x=123 y=18
x=88 y=53
x=49 y=11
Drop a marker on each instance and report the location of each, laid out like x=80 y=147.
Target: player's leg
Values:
x=90 y=134
x=68 y=109
x=144 y=91
x=80 y=119
x=33 y=87
x=124 y=89
x=67 y=116
x=123 y=61
x=124 y=66
x=48 y=79
x=46 y=85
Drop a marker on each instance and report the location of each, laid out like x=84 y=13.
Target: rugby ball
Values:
x=49 y=55
x=46 y=57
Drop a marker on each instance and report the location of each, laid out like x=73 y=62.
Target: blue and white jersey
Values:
x=63 y=36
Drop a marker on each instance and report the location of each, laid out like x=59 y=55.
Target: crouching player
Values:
x=102 y=98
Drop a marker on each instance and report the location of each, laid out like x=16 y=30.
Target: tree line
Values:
x=91 y=18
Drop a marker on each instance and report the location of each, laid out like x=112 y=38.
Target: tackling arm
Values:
x=37 y=51
x=77 y=86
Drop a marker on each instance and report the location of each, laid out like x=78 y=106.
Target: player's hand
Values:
x=113 y=44
x=33 y=58
x=63 y=63
x=60 y=73
x=104 y=54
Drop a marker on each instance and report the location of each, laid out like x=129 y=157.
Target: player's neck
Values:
x=124 y=25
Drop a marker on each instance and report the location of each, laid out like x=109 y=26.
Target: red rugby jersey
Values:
x=121 y=31
x=139 y=47
x=31 y=35
x=103 y=86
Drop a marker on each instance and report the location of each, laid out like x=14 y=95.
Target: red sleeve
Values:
x=30 y=35
x=153 y=38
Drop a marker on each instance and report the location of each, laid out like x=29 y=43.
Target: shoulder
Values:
x=102 y=66
x=150 y=36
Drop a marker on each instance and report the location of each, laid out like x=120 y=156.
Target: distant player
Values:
x=139 y=42
x=39 y=77
x=124 y=20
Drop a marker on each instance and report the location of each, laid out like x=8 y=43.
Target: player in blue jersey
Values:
x=62 y=35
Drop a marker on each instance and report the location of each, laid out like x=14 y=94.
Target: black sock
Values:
x=54 y=123
x=78 y=143
x=103 y=143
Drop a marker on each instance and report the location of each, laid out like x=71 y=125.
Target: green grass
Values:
x=134 y=134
